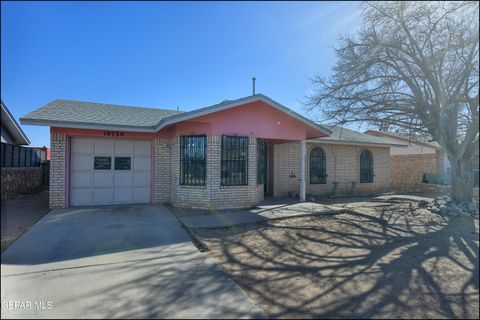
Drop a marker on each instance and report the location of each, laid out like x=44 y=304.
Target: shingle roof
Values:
x=80 y=112
x=345 y=135
x=406 y=138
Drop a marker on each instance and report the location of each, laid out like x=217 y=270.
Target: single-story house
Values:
x=228 y=155
x=11 y=132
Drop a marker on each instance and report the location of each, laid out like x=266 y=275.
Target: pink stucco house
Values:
x=228 y=155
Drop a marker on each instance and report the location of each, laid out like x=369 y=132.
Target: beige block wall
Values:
x=408 y=170
x=58 y=173
x=162 y=165
x=342 y=165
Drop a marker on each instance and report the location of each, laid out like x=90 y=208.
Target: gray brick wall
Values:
x=58 y=174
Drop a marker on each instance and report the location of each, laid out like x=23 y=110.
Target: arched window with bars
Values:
x=366 y=167
x=318 y=166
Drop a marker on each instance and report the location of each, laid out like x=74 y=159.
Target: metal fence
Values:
x=18 y=156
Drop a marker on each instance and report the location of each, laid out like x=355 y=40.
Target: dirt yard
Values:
x=388 y=260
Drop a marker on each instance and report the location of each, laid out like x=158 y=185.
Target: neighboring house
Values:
x=21 y=172
x=228 y=155
x=11 y=132
x=411 y=163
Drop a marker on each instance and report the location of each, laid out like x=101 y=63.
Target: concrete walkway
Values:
x=270 y=209
x=115 y=262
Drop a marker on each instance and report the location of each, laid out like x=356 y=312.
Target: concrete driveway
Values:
x=115 y=262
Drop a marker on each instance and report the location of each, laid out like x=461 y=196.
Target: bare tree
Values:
x=413 y=66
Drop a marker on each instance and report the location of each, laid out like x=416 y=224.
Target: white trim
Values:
x=10 y=123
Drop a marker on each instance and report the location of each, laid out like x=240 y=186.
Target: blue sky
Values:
x=165 y=54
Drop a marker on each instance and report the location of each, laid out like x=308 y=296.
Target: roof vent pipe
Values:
x=253 y=80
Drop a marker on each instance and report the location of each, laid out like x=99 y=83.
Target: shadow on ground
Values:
x=386 y=260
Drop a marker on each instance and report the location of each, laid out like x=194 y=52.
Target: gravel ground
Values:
x=390 y=259
x=19 y=214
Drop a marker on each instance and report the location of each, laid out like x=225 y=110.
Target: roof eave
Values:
x=85 y=125
x=231 y=104
x=17 y=131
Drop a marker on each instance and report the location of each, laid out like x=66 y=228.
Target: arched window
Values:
x=366 y=167
x=318 y=168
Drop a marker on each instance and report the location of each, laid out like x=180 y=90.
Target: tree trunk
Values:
x=462 y=180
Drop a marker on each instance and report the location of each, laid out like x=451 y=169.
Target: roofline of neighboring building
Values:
x=180 y=117
x=391 y=135
x=13 y=127
x=373 y=144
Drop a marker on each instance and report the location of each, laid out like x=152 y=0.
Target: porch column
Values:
x=302 y=170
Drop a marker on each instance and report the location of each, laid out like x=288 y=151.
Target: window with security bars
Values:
x=366 y=167
x=318 y=167
x=234 y=161
x=261 y=161
x=193 y=154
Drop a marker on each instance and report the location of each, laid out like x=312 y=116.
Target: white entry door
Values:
x=107 y=171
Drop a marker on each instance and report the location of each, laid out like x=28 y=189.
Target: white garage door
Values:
x=106 y=171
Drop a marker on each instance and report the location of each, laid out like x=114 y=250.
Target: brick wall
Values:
x=162 y=165
x=213 y=195
x=58 y=174
x=342 y=166
x=408 y=170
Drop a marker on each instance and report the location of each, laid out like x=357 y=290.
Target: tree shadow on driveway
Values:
x=392 y=261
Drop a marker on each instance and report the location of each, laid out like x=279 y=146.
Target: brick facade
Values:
x=58 y=172
x=342 y=166
x=213 y=195
x=408 y=170
x=162 y=170
x=342 y=163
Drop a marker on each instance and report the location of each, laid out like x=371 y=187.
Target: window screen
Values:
x=193 y=160
x=102 y=163
x=366 y=167
x=122 y=163
x=318 y=168
x=234 y=161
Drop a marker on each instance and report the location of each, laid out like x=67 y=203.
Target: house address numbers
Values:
x=113 y=133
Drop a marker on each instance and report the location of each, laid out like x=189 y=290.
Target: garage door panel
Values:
x=123 y=147
x=82 y=146
x=105 y=185
x=123 y=179
x=103 y=146
x=103 y=179
x=143 y=148
x=141 y=195
x=141 y=179
x=81 y=179
x=142 y=163
x=123 y=195
x=82 y=162
x=103 y=195
x=81 y=196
